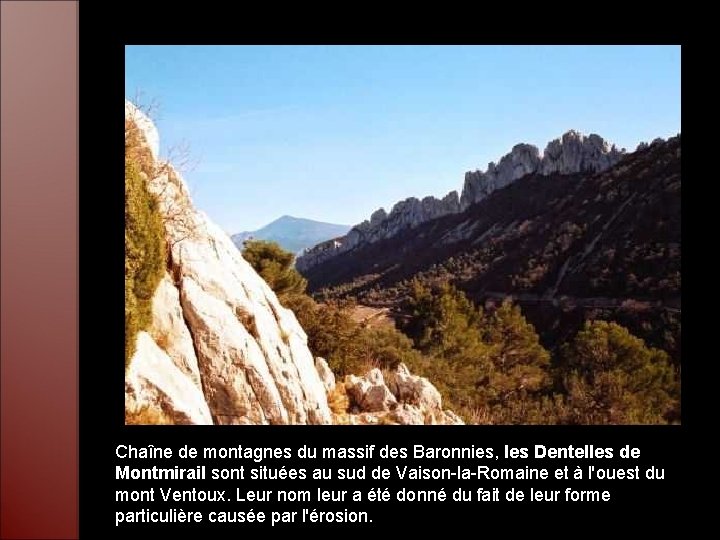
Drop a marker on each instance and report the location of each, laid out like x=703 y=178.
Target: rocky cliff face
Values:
x=404 y=215
x=572 y=153
x=575 y=153
x=220 y=349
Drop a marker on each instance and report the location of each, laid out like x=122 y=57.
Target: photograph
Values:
x=402 y=235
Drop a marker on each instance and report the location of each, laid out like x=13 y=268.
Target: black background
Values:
x=635 y=504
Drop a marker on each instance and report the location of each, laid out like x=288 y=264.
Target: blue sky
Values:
x=334 y=132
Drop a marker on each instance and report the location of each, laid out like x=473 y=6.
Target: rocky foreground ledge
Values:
x=400 y=398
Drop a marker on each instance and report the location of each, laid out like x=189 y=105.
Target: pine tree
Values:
x=275 y=265
x=612 y=377
x=444 y=322
x=520 y=362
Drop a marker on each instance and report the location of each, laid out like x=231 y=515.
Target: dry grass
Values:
x=247 y=320
x=386 y=420
x=342 y=420
x=162 y=339
x=338 y=400
x=146 y=415
x=478 y=416
x=368 y=363
x=339 y=403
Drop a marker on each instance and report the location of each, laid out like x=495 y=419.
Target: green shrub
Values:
x=443 y=321
x=338 y=400
x=145 y=255
x=275 y=266
x=331 y=332
x=612 y=377
x=520 y=364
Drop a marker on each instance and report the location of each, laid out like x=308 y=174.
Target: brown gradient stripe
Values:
x=38 y=362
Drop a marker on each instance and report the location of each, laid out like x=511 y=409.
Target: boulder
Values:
x=369 y=393
x=415 y=390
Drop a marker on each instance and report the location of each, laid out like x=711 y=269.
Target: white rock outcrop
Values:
x=413 y=389
x=576 y=153
x=402 y=399
x=524 y=159
x=170 y=331
x=154 y=380
x=404 y=215
x=221 y=348
x=569 y=154
x=369 y=393
x=146 y=126
x=572 y=153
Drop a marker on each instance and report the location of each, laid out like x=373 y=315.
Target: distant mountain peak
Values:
x=293 y=233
